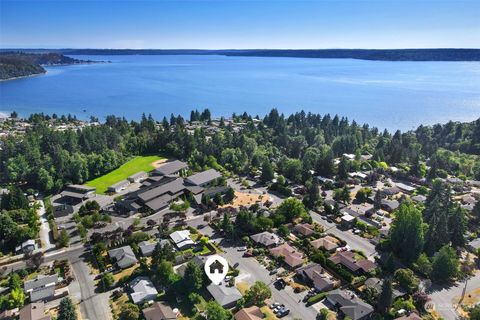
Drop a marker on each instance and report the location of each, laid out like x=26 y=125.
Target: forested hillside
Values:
x=295 y=146
x=18 y=64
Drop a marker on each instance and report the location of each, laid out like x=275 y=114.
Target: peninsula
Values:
x=19 y=64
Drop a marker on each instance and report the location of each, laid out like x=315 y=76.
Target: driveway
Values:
x=44 y=227
x=354 y=241
x=251 y=271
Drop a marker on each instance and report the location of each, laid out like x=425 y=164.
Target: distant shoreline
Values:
x=439 y=54
x=52 y=65
x=23 y=77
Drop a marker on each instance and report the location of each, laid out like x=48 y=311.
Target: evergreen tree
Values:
x=385 y=298
x=458 y=227
x=437 y=212
x=343 y=168
x=66 y=310
x=406 y=232
x=445 y=264
x=267 y=172
x=193 y=278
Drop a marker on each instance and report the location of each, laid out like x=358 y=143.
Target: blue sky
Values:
x=217 y=24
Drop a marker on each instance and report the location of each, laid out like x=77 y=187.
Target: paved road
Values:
x=44 y=227
x=354 y=241
x=94 y=306
x=443 y=297
x=251 y=271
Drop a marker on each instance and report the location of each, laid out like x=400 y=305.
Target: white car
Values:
x=244 y=248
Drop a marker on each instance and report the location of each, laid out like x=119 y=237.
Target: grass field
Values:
x=127 y=169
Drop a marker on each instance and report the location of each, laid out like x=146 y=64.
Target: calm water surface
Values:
x=393 y=95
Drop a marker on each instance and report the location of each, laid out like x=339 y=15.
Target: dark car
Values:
x=283 y=313
x=280 y=284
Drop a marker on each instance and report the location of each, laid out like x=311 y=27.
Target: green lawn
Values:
x=127 y=169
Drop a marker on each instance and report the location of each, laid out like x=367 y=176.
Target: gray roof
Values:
x=225 y=296
x=349 y=304
x=143 y=289
x=182 y=238
x=81 y=187
x=203 y=177
x=119 y=184
x=137 y=175
x=475 y=243
x=377 y=284
x=419 y=198
x=147 y=248
x=266 y=238
x=40 y=281
x=42 y=293
x=171 y=167
x=123 y=256
x=392 y=204
x=171 y=187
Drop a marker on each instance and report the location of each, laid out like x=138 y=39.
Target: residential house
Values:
x=304 y=229
x=34 y=311
x=410 y=316
x=143 y=290
x=123 y=257
x=349 y=260
x=182 y=239
x=474 y=245
x=251 y=313
x=317 y=276
x=293 y=258
x=347 y=221
x=171 y=168
x=266 y=239
x=138 y=177
x=405 y=188
x=226 y=296
x=204 y=178
x=389 y=205
x=391 y=191
x=349 y=305
x=119 y=186
x=41 y=288
x=419 y=198
x=376 y=283
x=327 y=243
x=159 y=311
x=26 y=247
x=147 y=248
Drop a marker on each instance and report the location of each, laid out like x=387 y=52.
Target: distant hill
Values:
x=363 y=54
x=19 y=64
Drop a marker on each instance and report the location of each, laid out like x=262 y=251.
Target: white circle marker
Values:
x=216 y=268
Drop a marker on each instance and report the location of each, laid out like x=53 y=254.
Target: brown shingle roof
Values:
x=347 y=259
x=293 y=257
x=252 y=313
x=158 y=311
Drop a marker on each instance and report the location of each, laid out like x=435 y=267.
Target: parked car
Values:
x=274 y=305
x=248 y=254
x=243 y=248
x=274 y=271
x=283 y=313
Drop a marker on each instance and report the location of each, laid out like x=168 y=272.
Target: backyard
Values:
x=133 y=166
